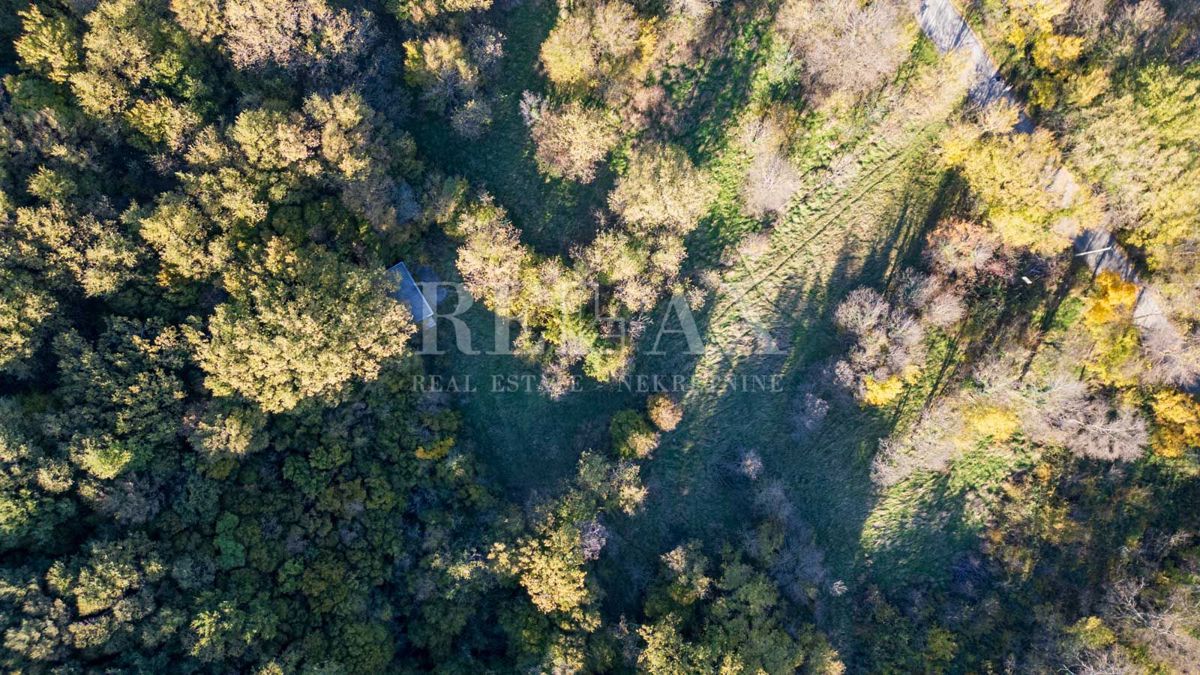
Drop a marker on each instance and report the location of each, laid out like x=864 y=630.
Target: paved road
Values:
x=949 y=32
x=945 y=26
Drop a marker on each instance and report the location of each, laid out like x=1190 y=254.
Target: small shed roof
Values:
x=409 y=293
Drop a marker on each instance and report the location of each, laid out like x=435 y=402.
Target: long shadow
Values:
x=1000 y=608
x=696 y=489
x=1051 y=304
x=706 y=96
x=550 y=213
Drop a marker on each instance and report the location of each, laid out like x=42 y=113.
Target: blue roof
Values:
x=410 y=294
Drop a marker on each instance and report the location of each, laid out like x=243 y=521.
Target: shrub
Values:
x=592 y=46
x=994 y=423
x=632 y=435
x=571 y=139
x=847 y=47
x=1177 y=417
x=440 y=68
x=607 y=364
x=882 y=393
x=664 y=411
x=661 y=189
x=1113 y=300
x=472 y=119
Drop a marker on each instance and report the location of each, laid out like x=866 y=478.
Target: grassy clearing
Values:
x=528 y=443
x=840 y=237
x=848 y=227
x=550 y=213
x=919 y=528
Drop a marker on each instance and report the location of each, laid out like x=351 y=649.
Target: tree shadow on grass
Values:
x=707 y=95
x=921 y=536
x=551 y=214
x=696 y=490
x=527 y=443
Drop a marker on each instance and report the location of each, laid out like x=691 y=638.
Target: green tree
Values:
x=632 y=435
x=1140 y=143
x=50 y=43
x=596 y=47
x=661 y=190
x=300 y=323
x=225 y=628
x=422 y=11
x=440 y=68
x=28 y=315
x=571 y=139
x=122 y=396
x=142 y=68
x=187 y=242
x=738 y=627
x=68 y=248
x=35 y=501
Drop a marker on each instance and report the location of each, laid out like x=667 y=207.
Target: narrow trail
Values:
x=944 y=25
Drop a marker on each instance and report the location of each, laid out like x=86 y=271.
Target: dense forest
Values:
x=772 y=341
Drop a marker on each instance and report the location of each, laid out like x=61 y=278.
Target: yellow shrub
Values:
x=1039 y=15
x=565 y=57
x=1089 y=86
x=959 y=142
x=1112 y=300
x=1043 y=472
x=1093 y=633
x=993 y=422
x=1113 y=360
x=1177 y=416
x=1055 y=52
x=882 y=393
x=1109 y=319
x=436 y=450
x=647 y=43
x=1017 y=36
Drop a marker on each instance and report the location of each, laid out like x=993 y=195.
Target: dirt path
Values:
x=950 y=33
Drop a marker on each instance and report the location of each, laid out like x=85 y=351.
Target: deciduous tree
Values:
x=300 y=323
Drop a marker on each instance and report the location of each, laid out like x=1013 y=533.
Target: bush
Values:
x=593 y=46
x=887 y=346
x=661 y=189
x=994 y=423
x=632 y=435
x=472 y=119
x=772 y=179
x=440 y=68
x=664 y=411
x=882 y=393
x=966 y=250
x=570 y=138
x=847 y=47
x=1177 y=417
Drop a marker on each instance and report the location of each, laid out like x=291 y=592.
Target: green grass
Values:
x=527 y=442
x=856 y=229
x=918 y=528
x=551 y=213
x=842 y=238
